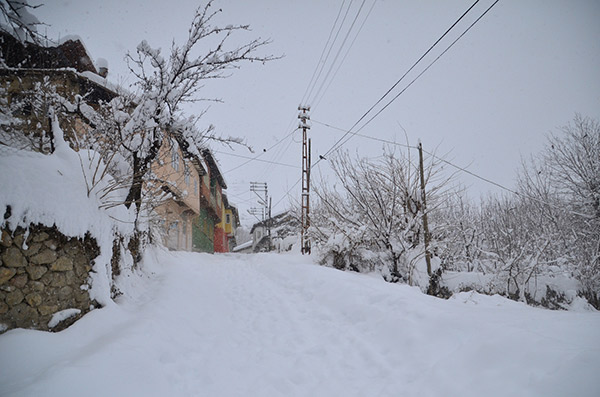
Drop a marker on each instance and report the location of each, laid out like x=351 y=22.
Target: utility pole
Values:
x=261 y=188
x=426 y=235
x=305 y=216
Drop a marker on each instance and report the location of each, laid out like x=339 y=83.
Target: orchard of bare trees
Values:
x=538 y=243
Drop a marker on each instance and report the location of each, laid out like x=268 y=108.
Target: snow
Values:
x=245 y=245
x=278 y=325
x=56 y=190
x=61 y=316
x=102 y=63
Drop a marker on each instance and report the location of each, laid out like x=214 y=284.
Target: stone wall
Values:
x=43 y=272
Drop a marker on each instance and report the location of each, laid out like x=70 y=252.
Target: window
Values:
x=228 y=219
x=195 y=186
x=186 y=173
x=174 y=158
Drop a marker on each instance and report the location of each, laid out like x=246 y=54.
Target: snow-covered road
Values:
x=274 y=325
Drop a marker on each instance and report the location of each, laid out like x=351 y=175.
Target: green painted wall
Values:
x=203 y=232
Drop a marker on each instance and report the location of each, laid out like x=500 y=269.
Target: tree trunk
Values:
x=134 y=196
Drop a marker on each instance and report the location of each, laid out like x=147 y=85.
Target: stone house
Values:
x=35 y=78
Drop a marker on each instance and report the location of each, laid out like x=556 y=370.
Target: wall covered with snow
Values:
x=42 y=273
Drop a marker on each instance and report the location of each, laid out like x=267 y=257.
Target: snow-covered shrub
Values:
x=371 y=219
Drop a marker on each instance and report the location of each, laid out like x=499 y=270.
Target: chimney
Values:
x=102 y=67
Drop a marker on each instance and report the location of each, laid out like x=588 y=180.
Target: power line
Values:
x=337 y=144
x=417 y=62
x=254 y=159
x=318 y=101
x=463 y=169
x=334 y=147
x=415 y=79
x=459 y=168
x=339 y=50
x=365 y=136
x=320 y=67
x=323 y=52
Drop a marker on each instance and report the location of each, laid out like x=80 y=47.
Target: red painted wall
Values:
x=220 y=240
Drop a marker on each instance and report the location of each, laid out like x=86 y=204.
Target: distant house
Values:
x=195 y=216
x=211 y=205
x=276 y=233
x=225 y=230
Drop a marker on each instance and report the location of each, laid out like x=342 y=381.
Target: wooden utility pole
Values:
x=305 y=216
x=426 y=235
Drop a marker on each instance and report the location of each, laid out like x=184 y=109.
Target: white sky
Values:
x=525 y=69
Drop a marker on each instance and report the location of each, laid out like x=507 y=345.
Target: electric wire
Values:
x=322 y=66
x=323 y=52
x=416 y=63
x=256 y=159
x=316 y=101
x=409 y=84
x=339 y=50
x=337 y=144
x=457 y=167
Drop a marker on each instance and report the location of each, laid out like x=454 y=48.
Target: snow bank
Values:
x=62 y=315
x=277 y=325
x=56 y=190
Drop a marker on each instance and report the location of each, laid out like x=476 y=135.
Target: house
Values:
x=69 y=54
x=211 y=205
x=177 y=177
x=276 y=233
x=34 y=78
x=195 y=214
x=188 y=186
x=225 y=230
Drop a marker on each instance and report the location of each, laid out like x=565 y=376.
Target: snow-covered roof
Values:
x=242 y=246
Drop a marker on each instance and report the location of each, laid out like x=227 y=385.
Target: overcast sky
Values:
x=522 y=71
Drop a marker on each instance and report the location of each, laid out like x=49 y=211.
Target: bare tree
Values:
x=17 y=21
x=573 y=158
x=552 y=225
x=372 y=219
x=167 y=83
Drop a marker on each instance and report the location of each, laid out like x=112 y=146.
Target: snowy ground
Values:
x=273 y=325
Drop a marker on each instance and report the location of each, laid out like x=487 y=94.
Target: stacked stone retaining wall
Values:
x=43 y=272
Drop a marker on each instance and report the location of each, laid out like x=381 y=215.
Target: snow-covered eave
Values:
x=242 y=246
x=214 y=167
x=90 y=77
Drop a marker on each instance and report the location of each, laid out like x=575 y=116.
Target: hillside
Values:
x=277 y=325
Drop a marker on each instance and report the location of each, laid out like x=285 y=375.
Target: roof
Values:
x=214 y=167
x=70 y=54
x=274 y=220
x=243 y=246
